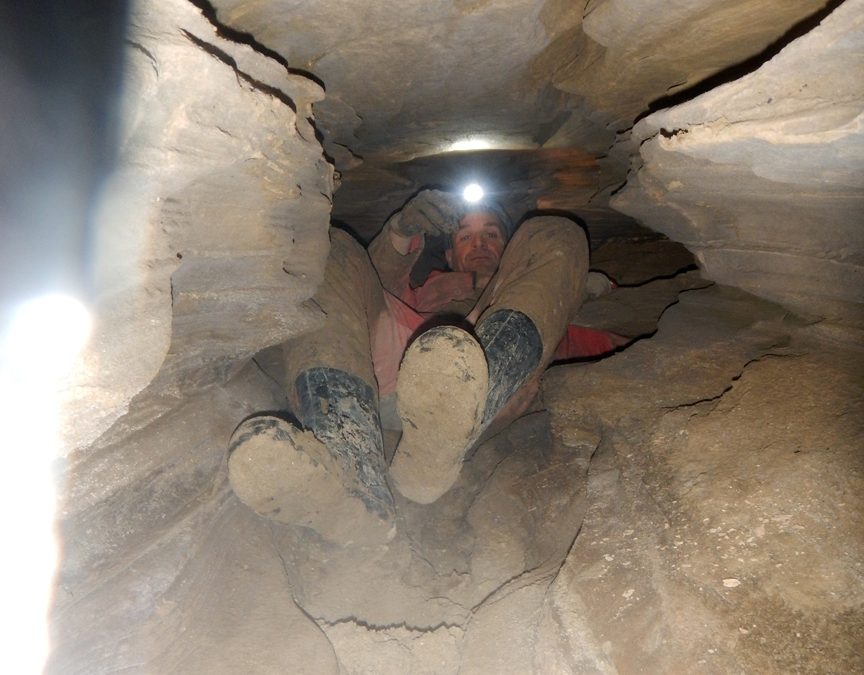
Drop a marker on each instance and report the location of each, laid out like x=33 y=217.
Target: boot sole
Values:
x=287 y=475
x=441 y=393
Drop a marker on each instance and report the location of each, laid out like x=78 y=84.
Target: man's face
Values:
x=477 y=245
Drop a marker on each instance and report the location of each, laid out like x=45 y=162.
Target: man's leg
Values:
x=526 y=308
x=285 y=473
x=520 y=318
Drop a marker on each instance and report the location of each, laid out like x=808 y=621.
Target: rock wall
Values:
x=405 y=82
x=620 y=57
x=763 y=178
x=211 y=234
x=725 y=518
x=216 y=213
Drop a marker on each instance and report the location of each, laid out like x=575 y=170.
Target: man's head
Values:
x=478 y=244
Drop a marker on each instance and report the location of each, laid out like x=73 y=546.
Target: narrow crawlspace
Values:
x=433 y=337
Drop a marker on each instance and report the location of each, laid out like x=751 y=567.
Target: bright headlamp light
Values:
x=472 y=193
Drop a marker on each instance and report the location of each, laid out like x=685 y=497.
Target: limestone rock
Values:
x=635 y=53
x=163 y=569
x=503 y=52
x=762 y=178
x=638 y=260
x=215 y=214
x=634 y=312
x=711 y=504
x=479 y=50
x=210 y=235
x=405 y=83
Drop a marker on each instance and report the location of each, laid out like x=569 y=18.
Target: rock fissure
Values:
x=229 y=61
x=527 y=578
x=665 y=277
x=241 y=38
x=383 y=628
x=735 y=378
x=141 y=48
x=710 y=399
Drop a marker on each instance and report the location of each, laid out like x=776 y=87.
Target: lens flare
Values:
x=46 y=334
x=37 y=351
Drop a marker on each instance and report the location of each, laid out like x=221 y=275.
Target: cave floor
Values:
x=692 y=503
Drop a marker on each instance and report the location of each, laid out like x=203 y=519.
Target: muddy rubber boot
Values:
x=341 y=410
x=287 y=475
x=513 y=349
x=450 y=388
x=441 y=394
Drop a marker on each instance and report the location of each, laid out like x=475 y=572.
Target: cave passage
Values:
x=175 y=174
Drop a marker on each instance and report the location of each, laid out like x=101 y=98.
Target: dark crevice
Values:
x=716 y=398
x=665 y=133
x=644 y=336
x=267 y=374
x=384 y=627
x=537 y=574
x=228 y=60
x=141 y=48
x=745 y=67
x=707 y=399
x=616 y=190
x=239 y=37
x=666 y=277
x=248 y=39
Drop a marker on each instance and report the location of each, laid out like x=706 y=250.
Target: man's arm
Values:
x=402 y=244
x=397 y=247
x=393 y=256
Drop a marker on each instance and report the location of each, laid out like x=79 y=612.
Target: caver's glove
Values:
x=433 y=212
x=598 y=284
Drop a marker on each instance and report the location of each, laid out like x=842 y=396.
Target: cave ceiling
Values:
x=406 y=81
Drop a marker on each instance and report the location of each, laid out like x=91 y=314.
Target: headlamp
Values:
x=472 y=193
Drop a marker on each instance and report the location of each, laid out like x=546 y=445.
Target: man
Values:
x=514 y=300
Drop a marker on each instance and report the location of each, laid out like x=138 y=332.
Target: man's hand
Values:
x=431 y=212
x=597 y=284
